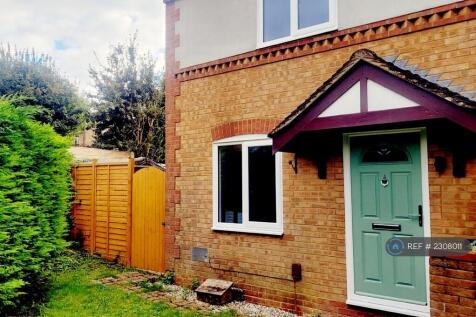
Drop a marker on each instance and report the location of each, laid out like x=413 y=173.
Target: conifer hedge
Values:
x=34 y=199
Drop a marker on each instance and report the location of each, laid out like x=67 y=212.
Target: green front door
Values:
x=386 y=195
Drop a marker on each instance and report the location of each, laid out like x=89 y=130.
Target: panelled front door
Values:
x=386 y=195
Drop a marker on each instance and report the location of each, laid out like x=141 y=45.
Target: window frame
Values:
x=247 y=226
x=296 y=33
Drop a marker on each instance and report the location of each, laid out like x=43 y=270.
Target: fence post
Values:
x=74 y=232
x=93 y=207
x=131 y=166
x=108 y=210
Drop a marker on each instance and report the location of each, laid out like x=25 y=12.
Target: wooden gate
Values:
x=148 y=216
x=119 y=212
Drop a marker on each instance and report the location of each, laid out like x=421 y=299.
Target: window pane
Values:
x=229 y=184
x=276 y=19
x=313 y=12
x=384 y=152
x=262 y=184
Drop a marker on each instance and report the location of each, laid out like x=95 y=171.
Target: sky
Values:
x=74 y=32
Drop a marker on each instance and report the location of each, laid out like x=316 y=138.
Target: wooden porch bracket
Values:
x=321 y=164
x=294 y=163
x=459 y=161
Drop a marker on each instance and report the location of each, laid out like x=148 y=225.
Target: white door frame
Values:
x=373 y=302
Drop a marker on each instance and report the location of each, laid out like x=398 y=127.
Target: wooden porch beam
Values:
x=372 y=118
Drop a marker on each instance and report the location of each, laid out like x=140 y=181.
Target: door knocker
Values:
x=384 y=181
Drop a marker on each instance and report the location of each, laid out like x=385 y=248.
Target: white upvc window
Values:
x=284 y=20
x=247 y=186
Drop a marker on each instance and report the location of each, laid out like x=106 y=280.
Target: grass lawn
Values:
x=74 y=293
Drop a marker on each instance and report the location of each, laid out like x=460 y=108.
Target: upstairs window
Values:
x=284 y=20
x=247 y=185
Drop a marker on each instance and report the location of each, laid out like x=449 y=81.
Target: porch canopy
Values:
x=372 y=93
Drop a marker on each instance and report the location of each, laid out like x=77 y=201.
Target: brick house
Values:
x=311 y=133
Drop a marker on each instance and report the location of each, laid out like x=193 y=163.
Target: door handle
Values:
x=419 y=216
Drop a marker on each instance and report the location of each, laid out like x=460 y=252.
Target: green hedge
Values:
x=34 y=200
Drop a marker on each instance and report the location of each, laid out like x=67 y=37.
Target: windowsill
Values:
x=297 y=36
x=269 y=232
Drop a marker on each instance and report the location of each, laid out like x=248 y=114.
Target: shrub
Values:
x=148 y=286
x=168 y=277
x=34 y=199
x=195 y=284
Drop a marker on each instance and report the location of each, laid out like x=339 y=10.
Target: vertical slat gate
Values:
x=148 y=205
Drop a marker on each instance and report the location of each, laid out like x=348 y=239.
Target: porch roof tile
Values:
x=394 y=66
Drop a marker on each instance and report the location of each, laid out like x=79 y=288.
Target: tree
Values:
x=129 y=102
x=35 y=196
x=35 y=78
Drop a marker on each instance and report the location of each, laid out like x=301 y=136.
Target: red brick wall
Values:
x=205 y=109
x=453 y=287
x=172 y=141
x=252 y=126
x=452 y=200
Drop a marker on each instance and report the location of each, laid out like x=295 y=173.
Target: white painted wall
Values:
x=348 y=103
x=382 y=98
x=213 y=29
x=358 y=12
x=378 y=98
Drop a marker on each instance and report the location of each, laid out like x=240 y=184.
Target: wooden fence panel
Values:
x=82 y=208
x=101 y=212
x=120 y=215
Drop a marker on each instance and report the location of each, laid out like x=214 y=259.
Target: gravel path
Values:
x=185 y=298
x=243 y=308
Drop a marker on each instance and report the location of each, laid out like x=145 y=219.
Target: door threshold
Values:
x=389 y=306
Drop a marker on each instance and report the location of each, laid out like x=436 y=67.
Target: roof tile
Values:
x=395 y=67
